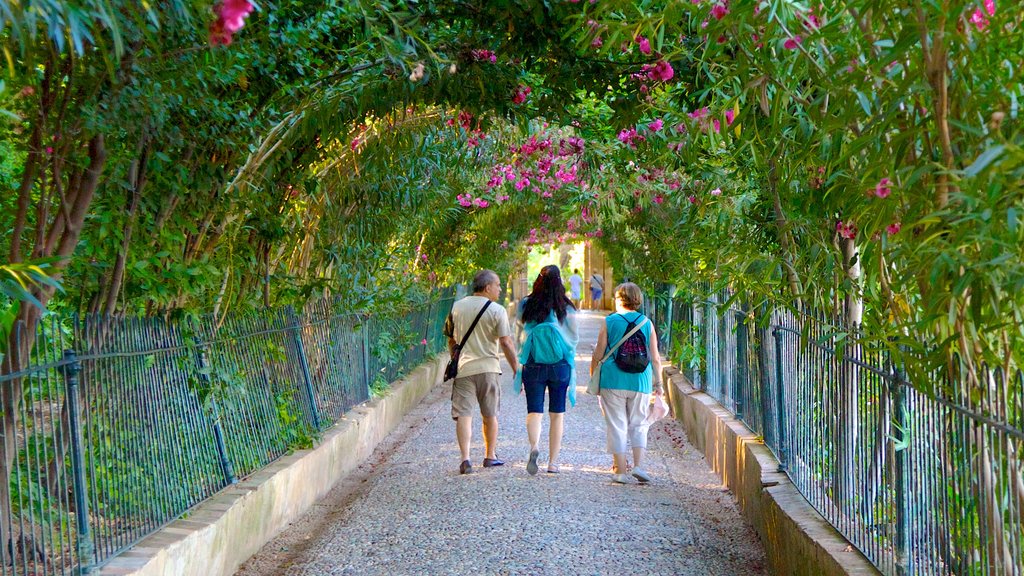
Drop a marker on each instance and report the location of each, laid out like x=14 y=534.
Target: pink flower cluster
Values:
x=847 y=230
x=660 y=71
x=481 y=55
x=792 y=43
x=719 y=10
x=466 y=201
x=231 y=15
x=978 y=17
x=882 y=189
x=644 y=44
x=520 y=94
x=630 y=137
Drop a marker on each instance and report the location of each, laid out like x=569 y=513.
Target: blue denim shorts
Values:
x=551 y=377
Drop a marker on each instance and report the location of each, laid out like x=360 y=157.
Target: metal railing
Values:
x=115 y=427
x=920 y=483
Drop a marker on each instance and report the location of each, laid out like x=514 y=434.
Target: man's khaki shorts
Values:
x=478 y=388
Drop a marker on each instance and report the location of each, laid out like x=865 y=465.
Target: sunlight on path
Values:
x=412 y=513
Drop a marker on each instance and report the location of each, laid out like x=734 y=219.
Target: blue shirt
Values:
x=549 y=342
x=611 y=376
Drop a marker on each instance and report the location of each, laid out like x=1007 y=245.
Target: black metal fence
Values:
x=922 y=483
x=115 y=427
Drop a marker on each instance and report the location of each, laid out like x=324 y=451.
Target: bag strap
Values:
x=473 y=325
x=624 y=338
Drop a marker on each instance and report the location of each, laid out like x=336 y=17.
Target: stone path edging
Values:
x=224 y=531
x=796 y=538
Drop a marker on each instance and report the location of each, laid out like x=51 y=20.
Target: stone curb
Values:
x=796 y=538
x=224 y=531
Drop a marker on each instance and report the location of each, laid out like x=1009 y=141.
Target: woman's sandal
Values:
x=553 y=469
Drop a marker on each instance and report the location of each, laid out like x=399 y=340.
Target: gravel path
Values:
x=408 y=511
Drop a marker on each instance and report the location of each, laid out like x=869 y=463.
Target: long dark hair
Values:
x=548 y=294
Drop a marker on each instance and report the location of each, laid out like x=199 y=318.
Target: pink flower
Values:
x=719 y=11
x=480 y=203
x=692 y=199
x=355 y=143
x=699 y=114
x=424 y=341
x=231 y=15
x=717 y=124
x=792 y=43
x=730 y=115
x=465 y=200
x=882 y=188
x=990 y=7
x=658 y=199
x=661 y=71
x=520 y=94
x=481 y=55
x=656 y=125
x=979 y=20
x=893 y=228
x=716 y=192
x=597 y=42
x=644 y=43
x=848 y=230
x=49 y=149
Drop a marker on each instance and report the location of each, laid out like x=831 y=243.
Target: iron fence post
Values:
x=742 y=384
x=670 y=292
x=218 y=431
x=780 y=402
x=86 y=548
x=314 y=411
x=366 y=353
x=899 y=391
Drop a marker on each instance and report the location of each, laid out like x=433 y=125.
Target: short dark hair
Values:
x=483 y=279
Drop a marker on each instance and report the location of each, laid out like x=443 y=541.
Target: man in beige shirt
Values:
x=479 y=368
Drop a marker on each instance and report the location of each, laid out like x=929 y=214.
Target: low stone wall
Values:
x=223 y=532
x=796 y=538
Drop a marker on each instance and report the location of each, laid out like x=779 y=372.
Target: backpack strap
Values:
x=624 y=338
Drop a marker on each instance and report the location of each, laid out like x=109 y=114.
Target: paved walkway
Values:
x=408 y=511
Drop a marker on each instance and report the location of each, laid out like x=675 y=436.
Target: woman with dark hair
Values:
x=547 y=354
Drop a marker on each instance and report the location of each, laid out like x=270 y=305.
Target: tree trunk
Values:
x=849 y=385
x=785 y=238
x=22 y=337
x=137 y=178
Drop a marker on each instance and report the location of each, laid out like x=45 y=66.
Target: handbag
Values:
x=452 y=369
x=594 y=386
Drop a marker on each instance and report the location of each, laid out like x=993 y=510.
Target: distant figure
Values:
x=547 y=354
x=575 y=288
x=628 y=378
x=596 y=288
x=477 y=381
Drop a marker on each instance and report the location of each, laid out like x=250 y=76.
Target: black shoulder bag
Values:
x=452 y=370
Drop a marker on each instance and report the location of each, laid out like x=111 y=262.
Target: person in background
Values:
x=547 y=354
x=479 y=369
x=575 y=288
x=626 y=397
x=596 y=289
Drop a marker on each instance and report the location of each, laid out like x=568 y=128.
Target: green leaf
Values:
x=984 y=160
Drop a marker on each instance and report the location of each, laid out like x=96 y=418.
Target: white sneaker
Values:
x=620 y=478
x=641 y=475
